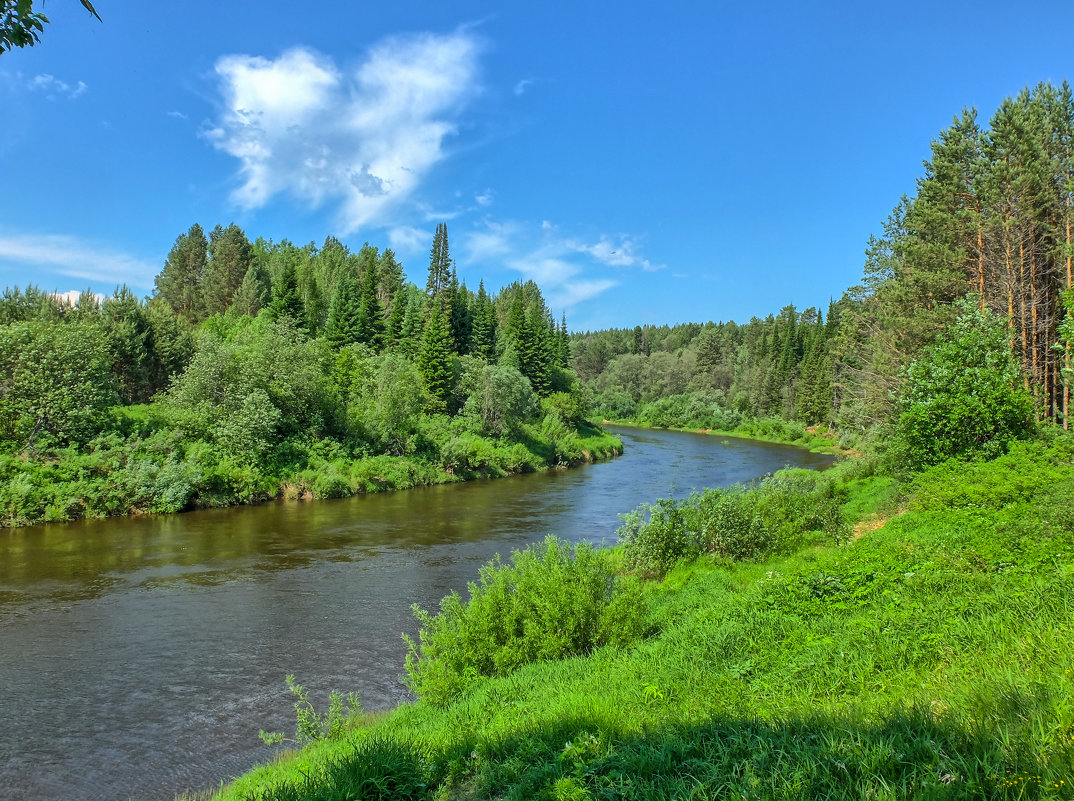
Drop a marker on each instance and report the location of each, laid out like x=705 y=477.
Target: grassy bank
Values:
x=925 y=649
x=147 y=464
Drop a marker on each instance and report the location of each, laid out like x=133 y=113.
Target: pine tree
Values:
x=180 y=282
x=483 y=343
x=411 y=331
x=461 y=320
x=393 y=327
x=230 y=258
x=389 y=278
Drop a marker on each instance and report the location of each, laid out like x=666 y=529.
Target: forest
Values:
x=260 y=370
x=990 y=220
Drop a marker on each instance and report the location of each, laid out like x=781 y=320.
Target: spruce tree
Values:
x=439 y=263
x=370 y=313
x=434 y=360
x=230 y=258
x=254 y=293
x=286 y=302
x=483 y=344
x=343 y=327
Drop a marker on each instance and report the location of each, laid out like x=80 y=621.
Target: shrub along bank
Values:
x=879 y=639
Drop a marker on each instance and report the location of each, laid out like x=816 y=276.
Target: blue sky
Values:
x=644 y=163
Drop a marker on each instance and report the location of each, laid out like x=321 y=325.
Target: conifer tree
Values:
x=439 y=263
x=389 y=278
x=230 y=258
x=461 y=320
x=344 y=321
x=286 y=303
x=180 y=282
x=483 y=343
x=434 y=360
x=255 y=292
x=411 y=331
x=393 y=326
x=370 y=313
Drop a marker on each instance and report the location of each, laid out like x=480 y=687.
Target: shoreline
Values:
x=404 y=473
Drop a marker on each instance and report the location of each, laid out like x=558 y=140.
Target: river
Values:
x=140 y=656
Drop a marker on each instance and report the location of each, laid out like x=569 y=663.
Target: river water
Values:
x=139 y=657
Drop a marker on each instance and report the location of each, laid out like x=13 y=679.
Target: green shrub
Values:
x=776 y=516
x=964 y=396
x=551 y=602
x=656 y=536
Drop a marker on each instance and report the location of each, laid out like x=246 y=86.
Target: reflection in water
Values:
x=140 y=656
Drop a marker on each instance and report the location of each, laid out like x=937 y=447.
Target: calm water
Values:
x=139 y=657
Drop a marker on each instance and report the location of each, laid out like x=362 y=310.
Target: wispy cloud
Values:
x=568 y=270
x=362 y=139
x=485 y=199
x=407 y=239
x=76 y=258
x=48 y=85
x=522 y=86
x=621 y=253
x=177 y=114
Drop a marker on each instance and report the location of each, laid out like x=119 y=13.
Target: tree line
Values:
x=259 y=364
x=991 y=220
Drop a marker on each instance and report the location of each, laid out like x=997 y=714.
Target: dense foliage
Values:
x=261 y=369
x=549 y=603
x=963 y=397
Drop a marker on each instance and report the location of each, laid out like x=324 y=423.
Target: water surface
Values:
x=139 y=657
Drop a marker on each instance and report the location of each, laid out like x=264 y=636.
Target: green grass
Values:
x=931 y=658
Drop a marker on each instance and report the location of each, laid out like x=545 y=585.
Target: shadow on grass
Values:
x=908 y=754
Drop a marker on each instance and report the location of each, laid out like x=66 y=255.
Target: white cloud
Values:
x=71 y=296
x=70 y=256
x=623 y=253
x=177 y=114
x=485 y=198
x=51 y=86
x=407 y=239
x=362 y=139
x=522 y=86
x=542 y=254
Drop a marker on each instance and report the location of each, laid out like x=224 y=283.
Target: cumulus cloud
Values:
x=70 y=256
x=361 y=138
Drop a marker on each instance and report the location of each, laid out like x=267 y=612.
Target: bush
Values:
x=739 y=523
x=553 y=601
x=656 y=536
x=964 y=396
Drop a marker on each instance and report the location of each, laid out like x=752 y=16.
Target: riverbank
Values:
x=763 y=429
x=927 y=655
x=153 y=470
